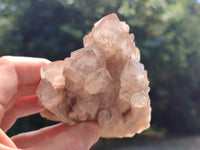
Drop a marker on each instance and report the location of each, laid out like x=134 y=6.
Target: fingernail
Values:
x=96 y=132
x=92 y=130
x=93 y=123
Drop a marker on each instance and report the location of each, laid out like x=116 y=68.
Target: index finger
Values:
x=27 y=68
x=17 y=72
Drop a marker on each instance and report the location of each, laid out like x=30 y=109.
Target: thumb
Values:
x=78 y=137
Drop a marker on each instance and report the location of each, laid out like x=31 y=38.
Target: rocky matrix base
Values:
x=103 y=82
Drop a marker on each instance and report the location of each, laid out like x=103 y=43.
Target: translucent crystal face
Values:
x=103 y=82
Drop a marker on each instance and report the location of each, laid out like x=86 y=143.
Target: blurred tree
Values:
x=166 y=31
x=10 y=39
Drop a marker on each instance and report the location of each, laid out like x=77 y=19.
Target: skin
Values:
x=19 y=78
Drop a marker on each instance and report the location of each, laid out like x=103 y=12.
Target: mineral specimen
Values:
x=103 y=82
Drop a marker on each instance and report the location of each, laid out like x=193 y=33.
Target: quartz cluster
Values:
x=103 y=82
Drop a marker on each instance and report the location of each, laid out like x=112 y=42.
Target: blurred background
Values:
x=167 y=33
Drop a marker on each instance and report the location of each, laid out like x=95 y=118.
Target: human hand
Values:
x=19 y=78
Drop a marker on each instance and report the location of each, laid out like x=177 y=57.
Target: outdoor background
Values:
x=167 y=33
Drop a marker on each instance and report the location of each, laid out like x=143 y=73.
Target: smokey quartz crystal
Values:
x=102 y=82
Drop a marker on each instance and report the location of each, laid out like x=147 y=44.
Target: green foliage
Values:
x=166 y=31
